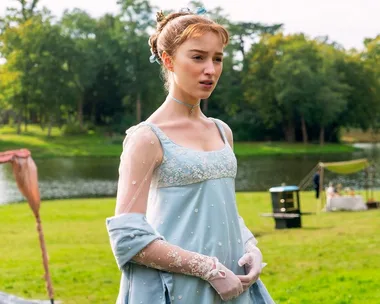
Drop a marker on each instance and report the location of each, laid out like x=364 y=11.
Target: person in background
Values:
x=351 y=191
x=316 y=181
x=338 y=189
x=331 y=190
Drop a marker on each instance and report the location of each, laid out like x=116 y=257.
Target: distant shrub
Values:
x=74 y=129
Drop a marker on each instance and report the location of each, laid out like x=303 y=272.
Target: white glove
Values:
x=252 y=261
x=225 y=282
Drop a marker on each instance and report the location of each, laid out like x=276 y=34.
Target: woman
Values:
x=177 y=235
x=331 y=190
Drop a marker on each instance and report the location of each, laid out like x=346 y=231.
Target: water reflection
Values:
x=97 y=177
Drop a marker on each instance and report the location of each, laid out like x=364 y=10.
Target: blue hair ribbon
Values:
x=201 y=11
x=154 y=59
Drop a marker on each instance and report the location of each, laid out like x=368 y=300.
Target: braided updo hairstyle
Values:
x=174 y=29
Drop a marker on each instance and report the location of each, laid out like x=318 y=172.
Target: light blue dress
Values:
x=192 y=205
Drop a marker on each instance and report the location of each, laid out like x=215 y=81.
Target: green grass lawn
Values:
x=99 y=145
x=58 y=145
x=334 y=258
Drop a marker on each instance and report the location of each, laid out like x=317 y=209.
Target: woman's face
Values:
x=197 y=65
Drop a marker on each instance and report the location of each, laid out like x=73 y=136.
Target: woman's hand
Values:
x=225 y=282
x=252 y=261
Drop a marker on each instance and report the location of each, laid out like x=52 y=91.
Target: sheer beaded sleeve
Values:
x=141 y=154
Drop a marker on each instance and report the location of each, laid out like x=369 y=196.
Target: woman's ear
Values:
x=167 y=61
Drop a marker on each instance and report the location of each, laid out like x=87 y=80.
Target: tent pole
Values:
x=373 y=182
x=366 y=184
x=320 y=201
x=302 y=185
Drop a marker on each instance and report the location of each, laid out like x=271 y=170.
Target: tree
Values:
x=10 y=89
x=83 y=61
x=51 y=77
x=360 y=111
x=331 y=98
x=294 y=74
x=28 y=8
x=241 y=32
x=21 y=47
x=290 y=80
x=259 y=90
x=12 y=42
x=371 y=55
x=143 y=85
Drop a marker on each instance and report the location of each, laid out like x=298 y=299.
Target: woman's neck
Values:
x=182 y=104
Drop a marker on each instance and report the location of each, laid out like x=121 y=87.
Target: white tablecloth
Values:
x=354 y=203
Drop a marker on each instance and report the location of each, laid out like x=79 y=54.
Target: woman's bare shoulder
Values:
x=227 y=129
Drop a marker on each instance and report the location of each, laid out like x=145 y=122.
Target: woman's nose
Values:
x=209 y=68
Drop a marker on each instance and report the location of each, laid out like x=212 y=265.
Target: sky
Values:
x=347 y=22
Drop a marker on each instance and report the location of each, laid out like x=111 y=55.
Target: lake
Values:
x=97 y=177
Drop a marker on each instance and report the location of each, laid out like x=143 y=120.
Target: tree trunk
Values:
x=26 y=120
x=241 y=46
x=289 y=131
x=25 y=113
x=80 y=112
x=50 y=127
x=33 y=116
x=42 y=118
x=322 y=136
x=304 y=130
x=138 y=108
x=93 y=113
x=19 y=121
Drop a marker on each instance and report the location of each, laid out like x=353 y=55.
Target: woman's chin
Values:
x=204 y=95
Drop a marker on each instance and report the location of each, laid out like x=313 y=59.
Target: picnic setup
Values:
x=286 y=203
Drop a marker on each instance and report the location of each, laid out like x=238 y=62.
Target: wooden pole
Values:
x=319 y=205
x=366 y=184
x=45 y=260
x=373 y=182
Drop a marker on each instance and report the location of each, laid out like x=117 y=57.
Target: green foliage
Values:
x=73 y=129
x=304 y=85
x=274 y=86
x=372 y=61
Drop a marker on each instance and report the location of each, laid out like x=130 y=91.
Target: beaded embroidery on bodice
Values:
x=184 y=166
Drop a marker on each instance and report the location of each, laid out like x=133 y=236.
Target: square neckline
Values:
x=224 y=139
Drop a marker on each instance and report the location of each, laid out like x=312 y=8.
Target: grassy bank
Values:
x=99 y=145
x=41 y=146
x=282 y=148
x=332 y=259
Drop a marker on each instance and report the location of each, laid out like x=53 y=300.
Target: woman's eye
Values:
x=198 y=57
x=219 y=59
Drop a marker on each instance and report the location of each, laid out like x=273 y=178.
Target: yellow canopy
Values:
x=346 y=167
